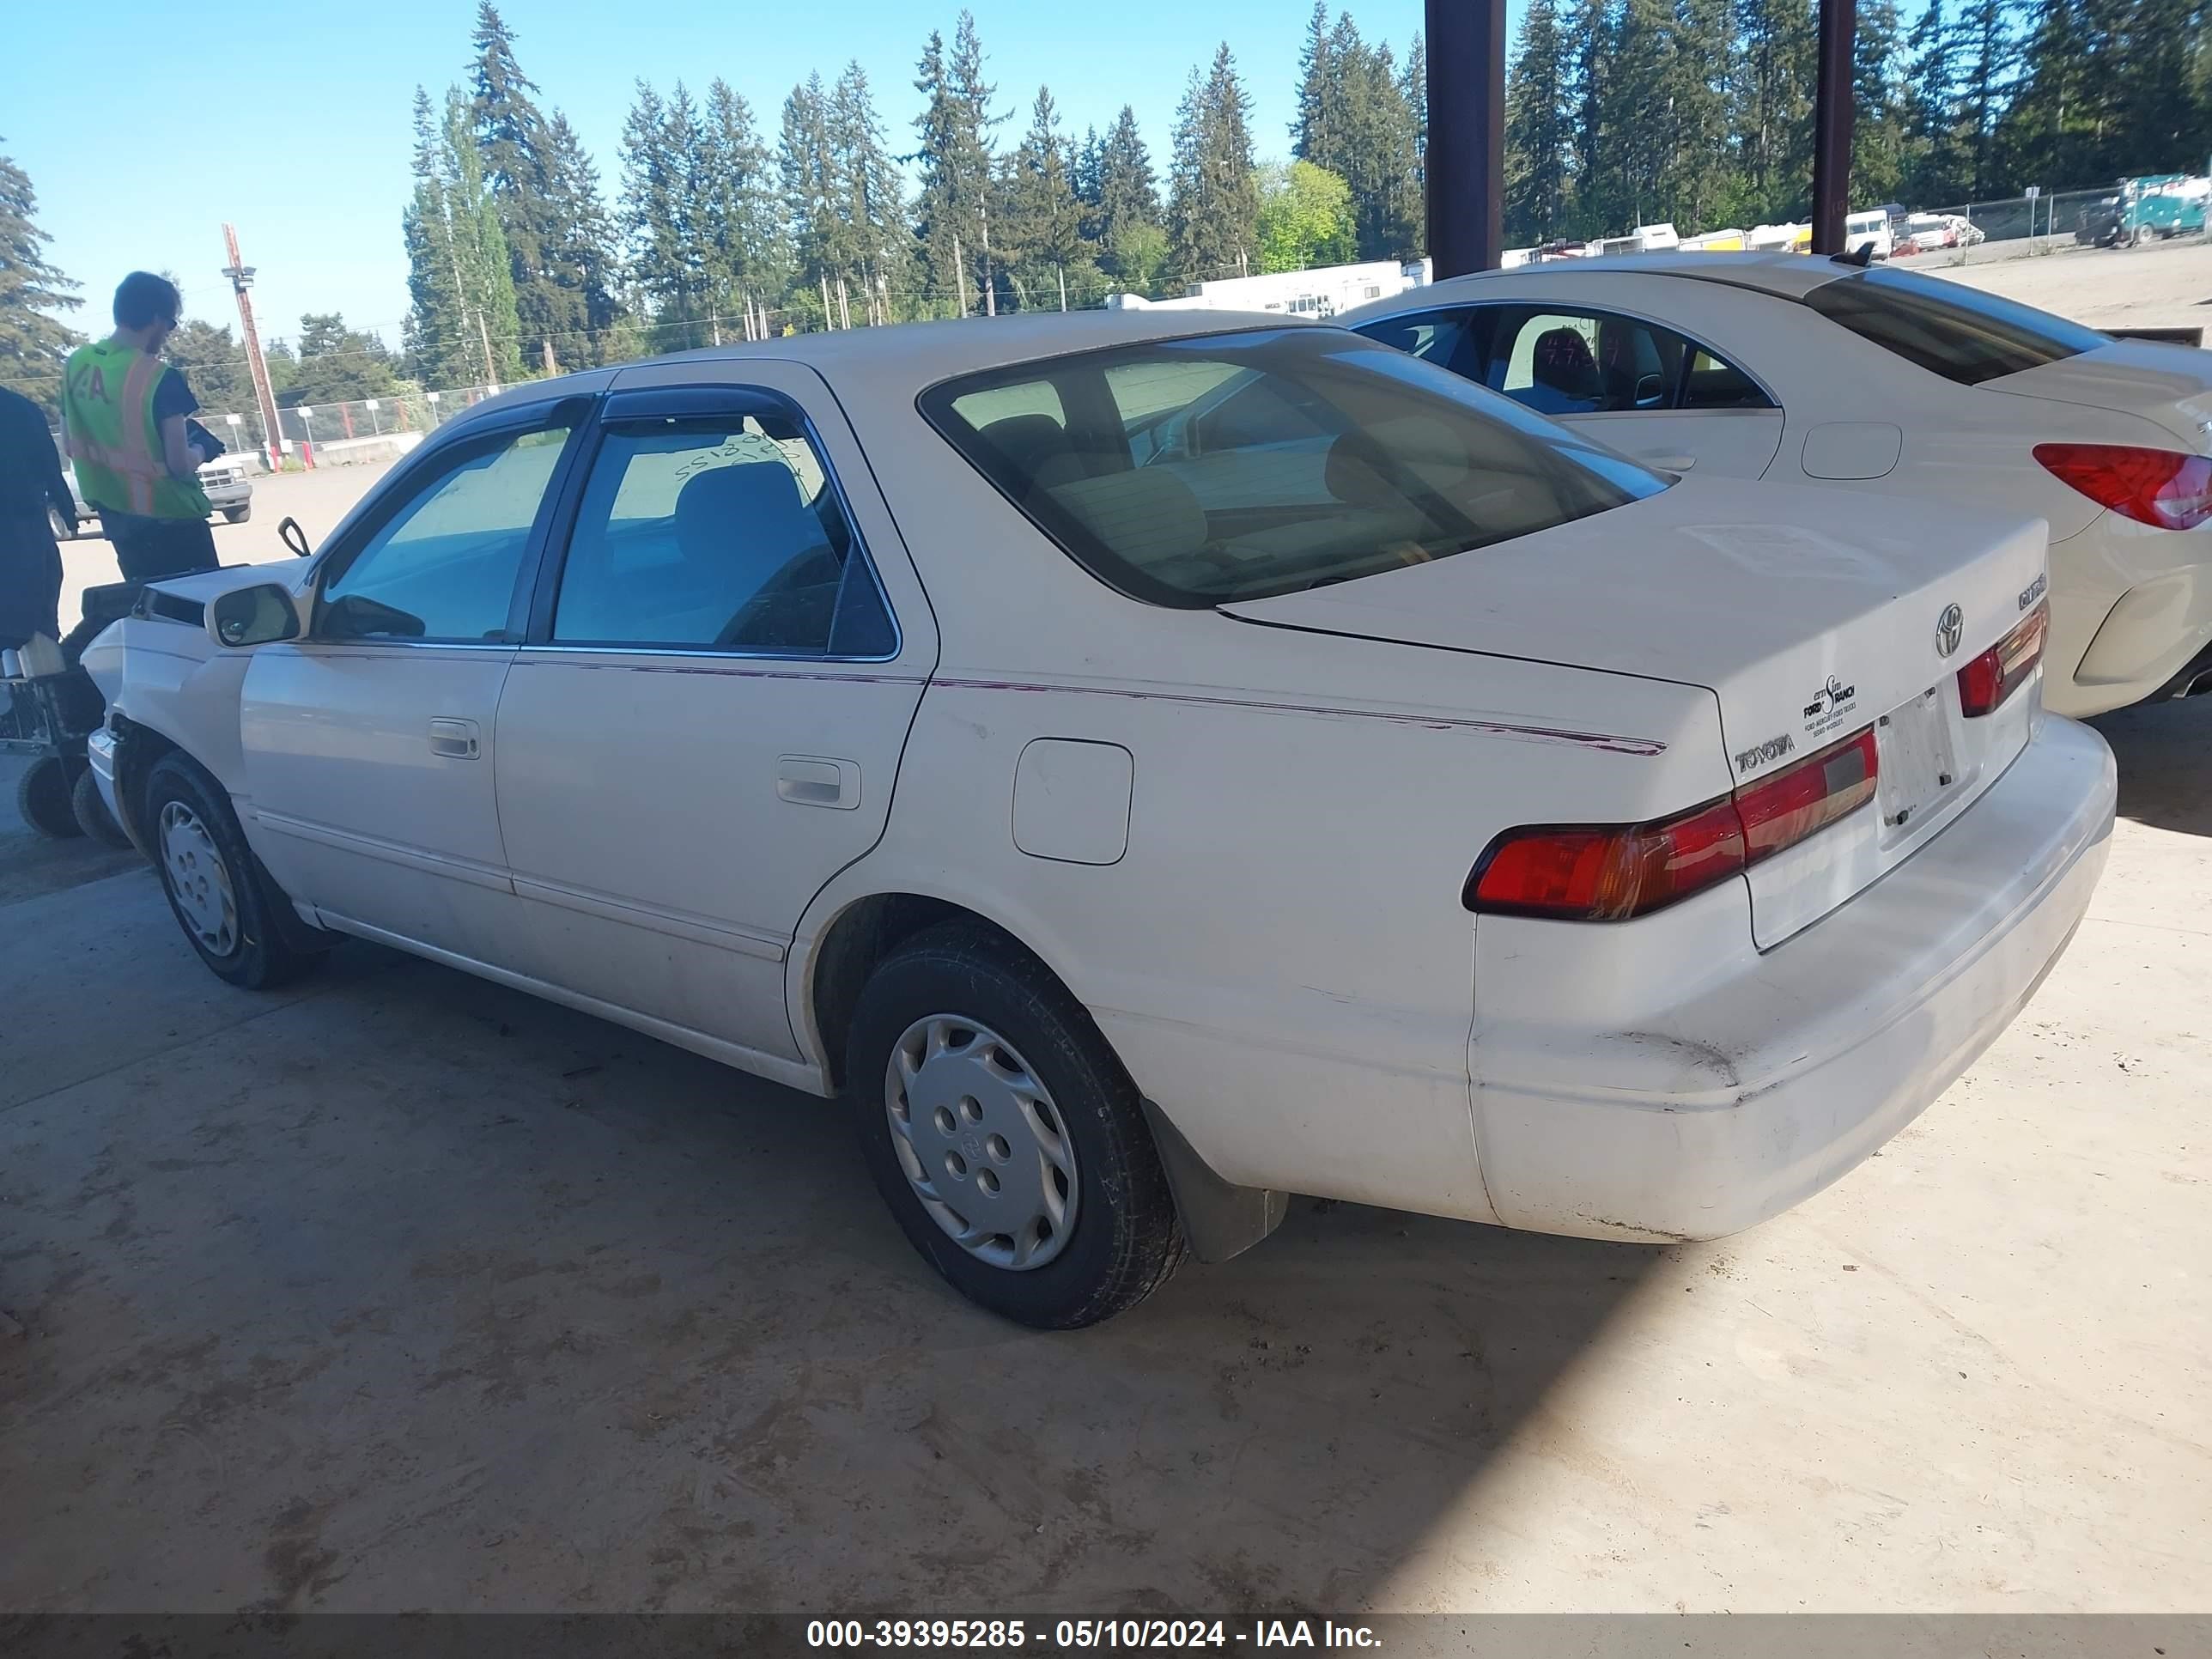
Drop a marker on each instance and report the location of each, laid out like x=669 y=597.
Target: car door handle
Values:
x=816 y=781
x=454 y=739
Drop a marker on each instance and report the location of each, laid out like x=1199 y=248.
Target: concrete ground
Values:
x=2165 y=285
x=401 y=1290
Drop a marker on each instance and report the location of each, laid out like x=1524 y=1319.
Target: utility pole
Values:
x=1063 y=288
x=483 y=334
x=241 y=278
x=828 y=318
x=990 y=287
x=960 y=273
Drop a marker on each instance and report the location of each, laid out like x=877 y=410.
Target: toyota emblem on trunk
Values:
x=1950 y=628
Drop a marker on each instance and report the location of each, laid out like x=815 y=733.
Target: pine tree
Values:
x=1777 y=65
x=953 y=161
x=661 y=161
x=517 y=145
x=1937 y=169
x=2164 y=124
x=1878 y=126
x=33 y=344
x=1590 y=80
x=1126 y=214
x=735 y=212
x=1415 y=83
x=875 y=247
x=1319 y=134
x=1213 y=203
x=1539 y=128
x=810 y=193
x=581 y=263
x=1042 y=239
x=2048 y=131
x=1983 y=48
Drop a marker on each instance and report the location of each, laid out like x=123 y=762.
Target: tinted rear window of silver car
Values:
x=1192 y=472
x=1948 y=328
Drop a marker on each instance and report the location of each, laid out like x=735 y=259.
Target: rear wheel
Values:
x=221 y=896
x=1005 y=1135
x=42 y=796
x=91 y=812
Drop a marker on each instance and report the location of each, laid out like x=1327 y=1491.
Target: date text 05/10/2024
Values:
x=949 y=1634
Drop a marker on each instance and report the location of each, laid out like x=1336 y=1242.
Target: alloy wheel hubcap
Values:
x=982 y=1142
x=199 y=879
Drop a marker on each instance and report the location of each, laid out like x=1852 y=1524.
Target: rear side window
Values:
x=1457 y=340
x=717 y=533
x=1948 y=329
x=1236 y=466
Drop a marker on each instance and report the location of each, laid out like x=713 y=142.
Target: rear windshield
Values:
x=1948 y=328
x=1192 y=472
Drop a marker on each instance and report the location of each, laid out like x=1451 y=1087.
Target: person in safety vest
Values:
x=124 y=410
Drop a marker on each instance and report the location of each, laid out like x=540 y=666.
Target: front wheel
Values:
x=1005 y=1135
x=236 y=514
x=222 y=897
x=91 y=812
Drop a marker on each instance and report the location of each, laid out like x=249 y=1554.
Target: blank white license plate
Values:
x=1917 y=767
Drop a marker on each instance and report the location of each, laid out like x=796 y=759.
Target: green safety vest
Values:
x=107 y=399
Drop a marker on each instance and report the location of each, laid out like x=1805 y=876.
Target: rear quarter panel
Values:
x=1281 y=956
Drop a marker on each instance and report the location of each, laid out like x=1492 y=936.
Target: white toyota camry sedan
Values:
x=1887 y=383
x=1149 y=766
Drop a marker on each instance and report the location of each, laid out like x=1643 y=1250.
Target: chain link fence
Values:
x=2112 y=216
x=359 y=430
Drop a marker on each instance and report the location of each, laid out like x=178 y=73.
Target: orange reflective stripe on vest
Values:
x=141 y=467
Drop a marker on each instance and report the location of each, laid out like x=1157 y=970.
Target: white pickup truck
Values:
x=226 y=480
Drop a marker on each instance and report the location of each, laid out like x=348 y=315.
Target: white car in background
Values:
x=1150 y=765
x=1887 y=383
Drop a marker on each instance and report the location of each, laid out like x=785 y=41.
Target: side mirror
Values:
x=259 y=615
x=292 y=536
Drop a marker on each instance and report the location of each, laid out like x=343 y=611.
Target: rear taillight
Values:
x=1986 y=682
x=1609 y=872
x=2162 y=488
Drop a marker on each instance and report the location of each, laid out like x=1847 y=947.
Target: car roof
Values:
x=1787 y=275
x=901 y=362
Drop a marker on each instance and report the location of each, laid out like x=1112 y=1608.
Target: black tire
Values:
x=1125 y=1239
x=257 y=949
x=236 y=514
x=42 y=796
x=91 y=812
x=64 y=525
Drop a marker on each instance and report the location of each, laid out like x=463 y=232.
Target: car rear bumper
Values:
x=1774 y=1077
x=2130 y=607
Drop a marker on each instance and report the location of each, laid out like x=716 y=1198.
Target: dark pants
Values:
x=147 y=549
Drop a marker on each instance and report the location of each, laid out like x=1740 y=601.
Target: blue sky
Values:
x=144 y=127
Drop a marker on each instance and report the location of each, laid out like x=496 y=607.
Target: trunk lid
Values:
x=2170 y=385
x=1803 y=632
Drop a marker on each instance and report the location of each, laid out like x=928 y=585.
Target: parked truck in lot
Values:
x=2163 y=205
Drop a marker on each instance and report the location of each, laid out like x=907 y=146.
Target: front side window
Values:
x=717 y=533
x=445 y=566
x=1946 y=328
x=1195 y=472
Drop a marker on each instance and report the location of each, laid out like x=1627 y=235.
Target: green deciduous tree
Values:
x=34 y=340
x=1305 y=217
x=1213 y=206
x=462 y=329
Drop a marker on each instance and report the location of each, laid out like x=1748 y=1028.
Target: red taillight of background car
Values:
x=1986 y=682
x=1610 y=872
x=2162 y=488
